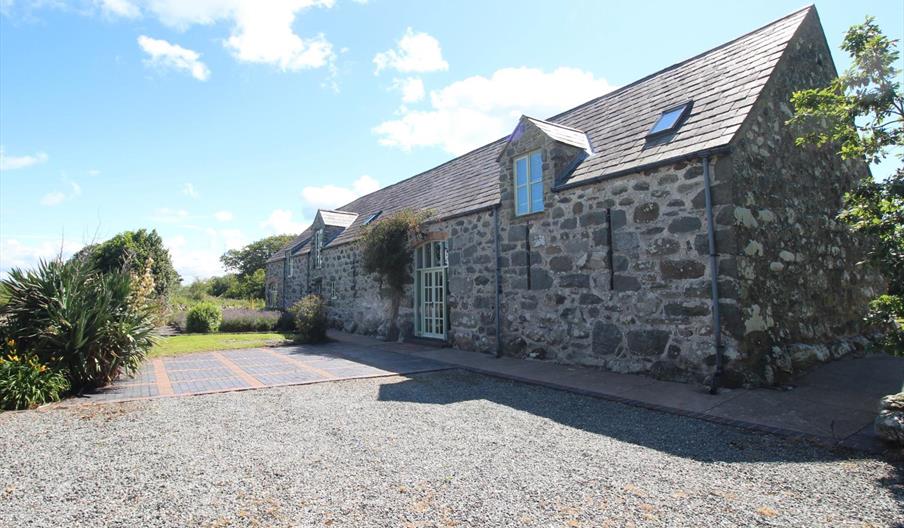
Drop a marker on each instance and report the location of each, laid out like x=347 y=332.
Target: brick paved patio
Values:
x=253 y=368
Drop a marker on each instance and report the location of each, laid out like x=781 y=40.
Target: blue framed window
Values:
x=671 y=119
x=529 y=183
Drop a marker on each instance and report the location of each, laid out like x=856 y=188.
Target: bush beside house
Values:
x=310 y=319
x=203 y=318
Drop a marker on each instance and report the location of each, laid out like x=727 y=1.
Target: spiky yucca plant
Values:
x=77 y=319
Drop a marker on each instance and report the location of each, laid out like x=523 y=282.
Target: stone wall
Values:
x=802 y=294
x=647 y=312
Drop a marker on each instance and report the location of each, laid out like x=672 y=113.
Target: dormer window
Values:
x=671 y=119
x=529 y=183
x=318 y=248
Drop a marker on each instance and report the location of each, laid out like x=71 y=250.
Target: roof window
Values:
x=373 y=217
x=671 y=119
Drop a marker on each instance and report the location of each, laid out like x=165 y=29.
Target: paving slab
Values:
x=255 y=368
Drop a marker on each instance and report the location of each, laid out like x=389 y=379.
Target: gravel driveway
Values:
x=440 y=449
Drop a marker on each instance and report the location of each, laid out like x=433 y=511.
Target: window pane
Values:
x=536 y=167
x=521 y=205
x=667 y=120
x=521 y=171
x=536 y=197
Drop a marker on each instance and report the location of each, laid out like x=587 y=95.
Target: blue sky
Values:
x=218 y=122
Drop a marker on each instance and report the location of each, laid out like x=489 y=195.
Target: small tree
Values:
x=386 y=251
x=861 y=113
x=247 y=260
x=130 y=251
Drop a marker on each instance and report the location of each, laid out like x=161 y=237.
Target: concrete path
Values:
x=835 y=404
x=255 y=368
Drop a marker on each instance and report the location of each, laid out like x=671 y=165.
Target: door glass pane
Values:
x=437 y=255
x=419 y=257
x=536 y=167
x=536 y=196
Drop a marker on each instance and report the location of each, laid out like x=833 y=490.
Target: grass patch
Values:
x=188 y=343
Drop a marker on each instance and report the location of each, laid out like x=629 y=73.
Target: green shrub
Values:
x=203 y=318
x=78 y=320
x=239 y=320
x=310 y=319
x=25 y=382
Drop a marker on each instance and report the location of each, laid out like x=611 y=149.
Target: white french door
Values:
x=430 y=264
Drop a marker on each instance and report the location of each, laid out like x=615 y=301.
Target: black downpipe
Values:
x=714 y=274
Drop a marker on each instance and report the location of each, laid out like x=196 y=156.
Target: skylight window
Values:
x=671 y=119
x=373 y=217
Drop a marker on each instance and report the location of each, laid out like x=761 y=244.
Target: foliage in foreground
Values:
x=861 y=113
x=203 y=318
x=25 y=382
x=386 y=251
x=310 y=319
x=74 y=319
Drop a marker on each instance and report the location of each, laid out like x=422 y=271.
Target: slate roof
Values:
x=723 y=84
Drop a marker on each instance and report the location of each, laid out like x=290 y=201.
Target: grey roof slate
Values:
x=723 y=83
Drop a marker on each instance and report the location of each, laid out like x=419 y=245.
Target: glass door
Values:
x=431 y=263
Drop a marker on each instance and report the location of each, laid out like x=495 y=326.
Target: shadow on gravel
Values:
x=677 y=435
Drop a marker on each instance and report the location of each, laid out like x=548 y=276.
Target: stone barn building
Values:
x=669 y=227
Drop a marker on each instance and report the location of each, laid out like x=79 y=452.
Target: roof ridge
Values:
x=621 y=89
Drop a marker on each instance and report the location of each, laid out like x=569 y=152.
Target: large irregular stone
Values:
x=647 y=342
x=681 y=269
x=889 y=425
x=607 y=338
x=647 y=212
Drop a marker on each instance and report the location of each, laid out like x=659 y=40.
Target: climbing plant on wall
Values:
x=386 y=253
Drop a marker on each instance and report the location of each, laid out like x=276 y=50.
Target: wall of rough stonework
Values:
x=649 y=311
x=802 y=295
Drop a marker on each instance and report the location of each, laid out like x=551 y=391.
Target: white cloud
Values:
x=416 y=52
x=223 y=216
x=55 y=198
x=412 y=89
x=477 y=110
x=170 y=216
x=8 y=162
x=262 y=32
x=120 y=8
x=189 y=190
x=163 y=54
x=280 y=222
x=332 y=196
x=16 y=253
x=93 y=172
